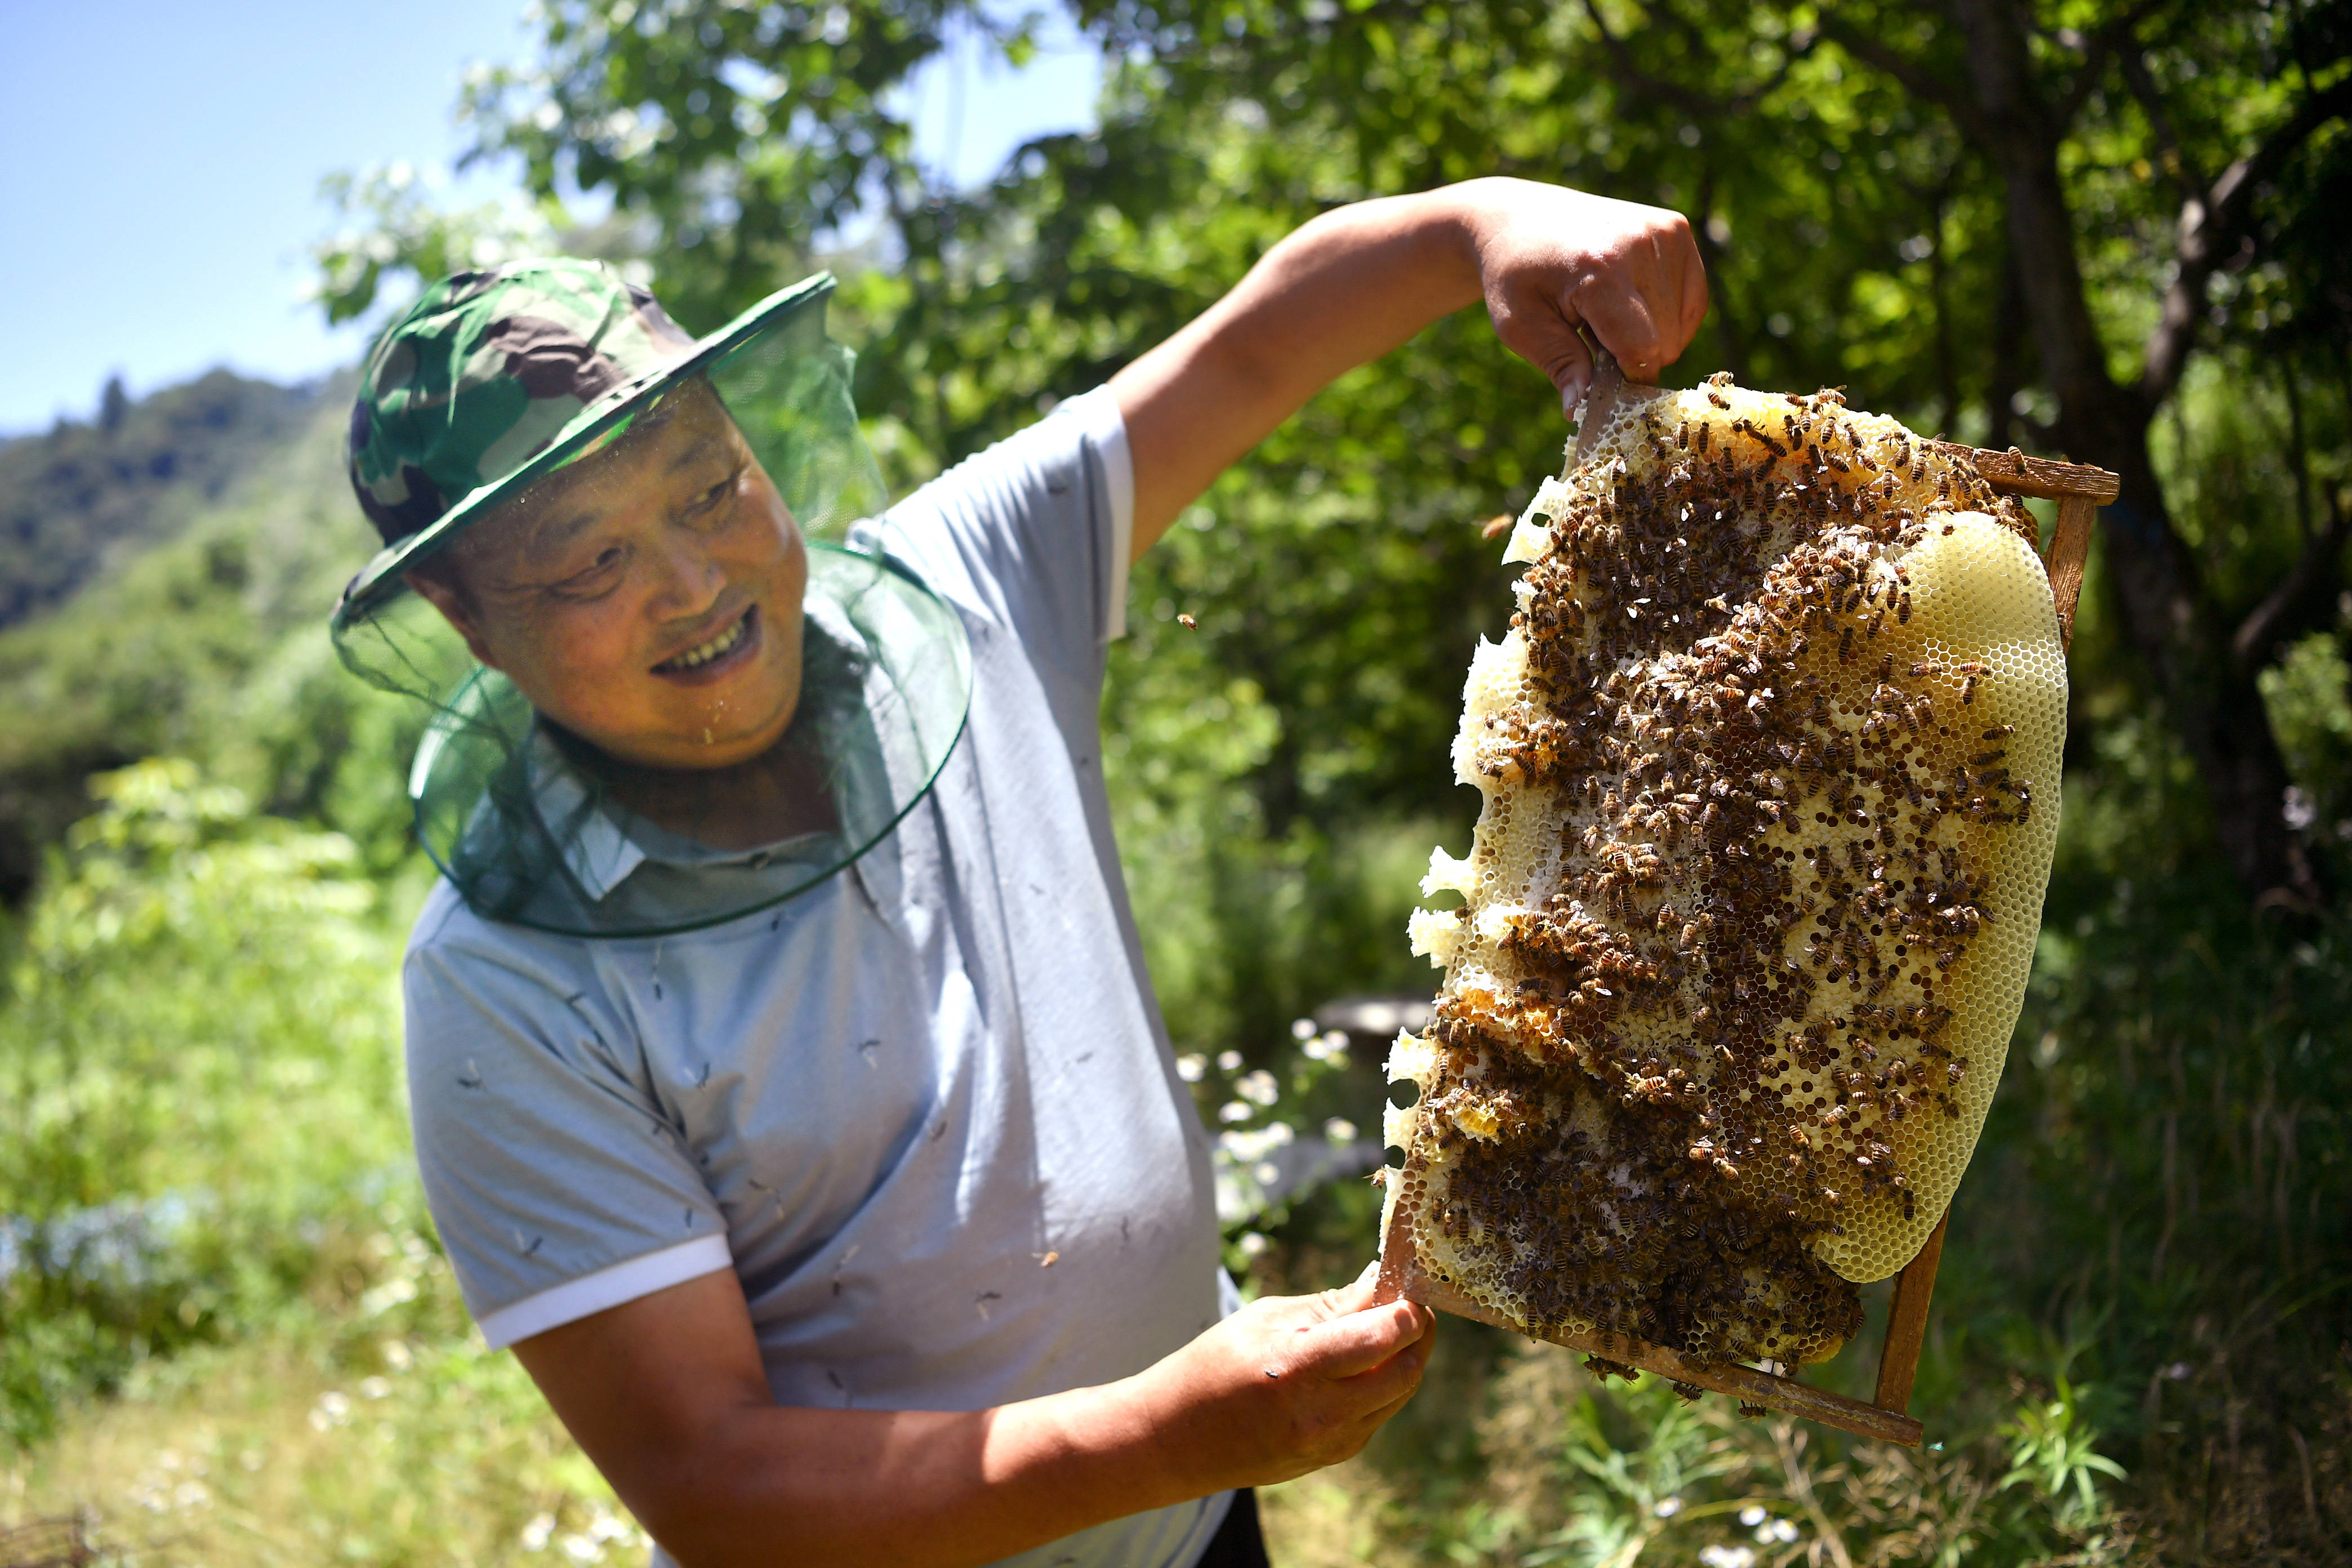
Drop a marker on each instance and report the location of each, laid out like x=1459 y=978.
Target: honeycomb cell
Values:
x=1769 y=763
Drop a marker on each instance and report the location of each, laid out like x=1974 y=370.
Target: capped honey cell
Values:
x=1770 y=766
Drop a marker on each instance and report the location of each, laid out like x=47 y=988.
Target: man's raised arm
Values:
x=1355 y=282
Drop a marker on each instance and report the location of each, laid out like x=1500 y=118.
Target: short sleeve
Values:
x=1036 y=532
x=558 y=1187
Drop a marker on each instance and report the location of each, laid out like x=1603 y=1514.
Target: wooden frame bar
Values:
x=2079 y=492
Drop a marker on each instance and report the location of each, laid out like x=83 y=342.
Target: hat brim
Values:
x=382 y=578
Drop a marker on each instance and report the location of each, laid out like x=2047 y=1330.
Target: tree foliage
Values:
x=2015 y=222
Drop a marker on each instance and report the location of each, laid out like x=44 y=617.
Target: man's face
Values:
x=647 y=598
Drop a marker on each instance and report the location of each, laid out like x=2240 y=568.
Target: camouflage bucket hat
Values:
x=494 y=381
x=495 y=378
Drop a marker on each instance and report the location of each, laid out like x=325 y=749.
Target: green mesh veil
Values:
x=536 y=824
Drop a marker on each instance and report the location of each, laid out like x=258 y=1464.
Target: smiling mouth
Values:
x=736 y=633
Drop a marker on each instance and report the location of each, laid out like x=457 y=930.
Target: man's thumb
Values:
x=1565 y=358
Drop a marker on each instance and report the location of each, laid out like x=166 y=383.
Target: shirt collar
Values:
x=601 y=852
x=599 y=855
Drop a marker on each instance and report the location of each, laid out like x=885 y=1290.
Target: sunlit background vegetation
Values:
x=225 y=1332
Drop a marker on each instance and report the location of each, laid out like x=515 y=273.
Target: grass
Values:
x=371 y=1426
x=1562 y=1469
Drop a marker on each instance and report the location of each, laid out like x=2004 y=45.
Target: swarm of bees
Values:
x=1769 y=760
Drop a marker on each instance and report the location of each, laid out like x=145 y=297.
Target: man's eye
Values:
x=596 y=575
x=716 y=494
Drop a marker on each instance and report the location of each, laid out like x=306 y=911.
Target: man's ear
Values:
x=438 y=585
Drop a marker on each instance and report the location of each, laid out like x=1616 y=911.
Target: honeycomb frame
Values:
x=2078 y=489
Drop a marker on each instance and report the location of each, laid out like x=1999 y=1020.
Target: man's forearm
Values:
x=1339 y=292
x=669 y=1397
x=906 y=1489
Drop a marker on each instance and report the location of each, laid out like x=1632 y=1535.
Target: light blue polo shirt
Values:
x=927 y=1111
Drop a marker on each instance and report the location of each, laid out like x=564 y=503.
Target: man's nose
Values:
x=690 y=579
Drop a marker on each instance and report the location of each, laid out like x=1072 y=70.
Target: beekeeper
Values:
x=787 y=1085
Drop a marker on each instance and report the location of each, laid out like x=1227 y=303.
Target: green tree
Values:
x=2020 y=222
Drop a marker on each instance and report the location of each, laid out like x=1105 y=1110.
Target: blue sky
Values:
x=159 y=167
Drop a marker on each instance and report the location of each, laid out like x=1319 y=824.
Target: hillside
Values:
x=198 y=628
x=79 y=496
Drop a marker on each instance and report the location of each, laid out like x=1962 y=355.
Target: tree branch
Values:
x=1697 y=104
x=2151 y=103
x=2212 y=228
x=2290 y=605
x=1909 y=74
x=2116 y=37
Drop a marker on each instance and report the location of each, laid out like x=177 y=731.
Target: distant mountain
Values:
x=177 y=571
x=83 y=495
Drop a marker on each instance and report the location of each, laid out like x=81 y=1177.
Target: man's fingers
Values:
x=1695 y=298
x=1542 y=331
x=1374 y=1419
x=1301 y=1311
x=1357 y=1342
x=1571 y=368
x=1391 y=1399
x=1357 y=1294
x=1558 y=265
x=1393 y=1380
x=1673 y=286
x=1627 y=327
